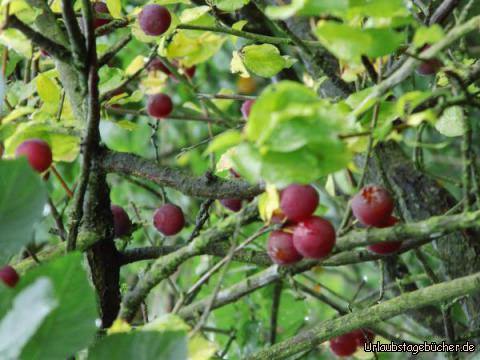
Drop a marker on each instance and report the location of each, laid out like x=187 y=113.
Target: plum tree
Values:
x=373 y=205
x=9 y=276
x=314 y=237
x=159 y=105
x=280 y=248
x=298 y=201
x=38 y=153
x=121 y=222
x=169 y=219
x=154 y=19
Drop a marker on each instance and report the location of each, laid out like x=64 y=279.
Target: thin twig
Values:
x=277 y=294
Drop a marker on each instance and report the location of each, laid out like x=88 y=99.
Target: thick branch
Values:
x=77 y=41
x=431 y=295
x=206 y=187
x=443 y=11
x=218 y=250
x=432 y=228
x=54 y=49
x=167 y=265
x=72 y=81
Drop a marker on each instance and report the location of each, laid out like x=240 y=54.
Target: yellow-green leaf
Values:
x=428 y=35
x=16 y=113
x=264 y=60
x=14 y=39
x=237 y=66
x=136 y=64
x=451 y=122
x=224 y=141
x=115 y=8
x=48 y=89
x=268 y=202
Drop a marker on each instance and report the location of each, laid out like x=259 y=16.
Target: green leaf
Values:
x=230 y=5
x=237 y=66
x=282 y=169
x=239 y=24
x=225 y=141
x=274 y=99
x=247 y=162
x=299 y=125
x=194 y=47
x=168 y=2
x=378 y=8
x=115 y=8
x=410 y=100
x=165 y=345
x=13 y=38
x=28 y=311
x=126 y=125
x=306 y=7
x=428 y=35
x=264 y=60
x=48 y=89
x=350 y=43
x=198 y=347
x=17 y=113
x=70 y=327
x=191 y=15
x=22 y=198
x=110 y=78
x=451 y=122
x=314 y=7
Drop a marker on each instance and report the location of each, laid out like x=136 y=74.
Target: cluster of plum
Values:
x=306 y=236
x=347 y=344
x=303 y=235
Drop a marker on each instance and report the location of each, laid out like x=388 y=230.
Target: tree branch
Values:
x=110 y=53
x=54 y=49
x=77 y=41
x=443 y=11
x=410 y=64
x=219 y=250
x=167 y=265
x=434 y=294
x=206 y=187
